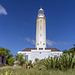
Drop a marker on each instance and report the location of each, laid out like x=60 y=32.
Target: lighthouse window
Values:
x=40 y=27
x=43 y=43
x=40 y=42
x=37 y=43
x=41 y=21
x=40 y=34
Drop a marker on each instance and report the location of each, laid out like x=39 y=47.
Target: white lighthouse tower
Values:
x=41 y=30
x=40 y=51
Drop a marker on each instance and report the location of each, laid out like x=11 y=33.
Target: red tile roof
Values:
x=52 y=49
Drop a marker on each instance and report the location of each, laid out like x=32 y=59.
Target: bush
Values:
x=30 y=64
x=36 y=60
x=19 y=57
x=63 y=62
x=11 y=61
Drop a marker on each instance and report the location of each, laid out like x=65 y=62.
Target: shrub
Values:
x=19 y=57
x=36 y=60
x=11 y=61
x=63 y=62
x=30 y=64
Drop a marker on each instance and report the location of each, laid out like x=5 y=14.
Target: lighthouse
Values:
x=40 y=51
x=41 y=30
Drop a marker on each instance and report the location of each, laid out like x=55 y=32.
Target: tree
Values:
x=8 y=55
x=73 y=44
x=6 y=52
x=72 y=50
x=65 y=51
x=2 y=51
x=74 y=47
x=36 y=60
x=30 y=63
x=11 y=61
x=20 y=58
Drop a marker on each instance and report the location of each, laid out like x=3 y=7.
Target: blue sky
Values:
x=18 y=23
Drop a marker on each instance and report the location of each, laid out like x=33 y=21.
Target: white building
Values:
x=40 y=51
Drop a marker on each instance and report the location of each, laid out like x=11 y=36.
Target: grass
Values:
x=21 y=71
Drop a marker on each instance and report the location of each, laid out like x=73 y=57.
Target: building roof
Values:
x=52 y=49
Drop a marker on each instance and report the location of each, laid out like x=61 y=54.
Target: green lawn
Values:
x=22 y=71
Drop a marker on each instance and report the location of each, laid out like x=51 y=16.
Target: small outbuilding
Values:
x=2 y=60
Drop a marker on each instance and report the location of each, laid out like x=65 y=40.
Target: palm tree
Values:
x=36 y=60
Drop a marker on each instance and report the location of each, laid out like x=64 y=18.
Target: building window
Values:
x=40 y=52
x=43 y=43
x=26 y=58
x=55 y=55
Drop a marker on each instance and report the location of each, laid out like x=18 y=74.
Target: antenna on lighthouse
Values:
x=40 y=3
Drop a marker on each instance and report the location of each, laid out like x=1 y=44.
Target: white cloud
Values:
x=2 y=10
x=53 y=43
x=30 y=41
x=63 y=43
x=49 y=43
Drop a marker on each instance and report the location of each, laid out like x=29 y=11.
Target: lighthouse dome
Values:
x=41 y=13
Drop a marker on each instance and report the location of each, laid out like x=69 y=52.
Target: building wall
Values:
x=40 y=54
x=25 y=53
